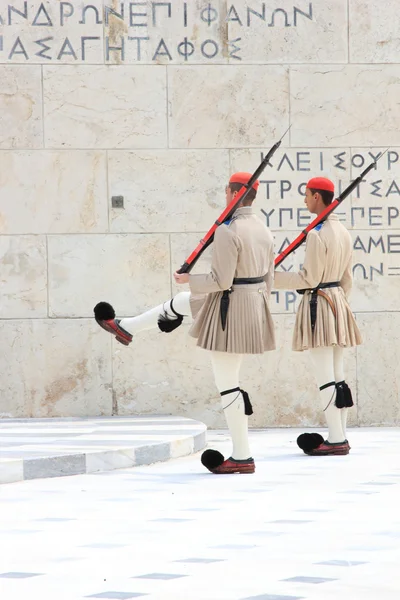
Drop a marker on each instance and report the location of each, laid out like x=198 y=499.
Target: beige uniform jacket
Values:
x=328 y=258
x=242 y=248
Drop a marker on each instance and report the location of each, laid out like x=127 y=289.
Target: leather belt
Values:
x=315 y=292
x=224 y=306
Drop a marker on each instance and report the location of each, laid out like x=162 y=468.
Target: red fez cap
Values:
x=243 y=178
x=321 y=183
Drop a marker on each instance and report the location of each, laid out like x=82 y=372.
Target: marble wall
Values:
x=158 y=102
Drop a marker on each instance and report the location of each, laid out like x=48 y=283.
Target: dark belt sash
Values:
x=314 y=299
x=224 y=306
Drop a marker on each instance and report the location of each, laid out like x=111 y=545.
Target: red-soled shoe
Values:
x=235 y=466
x=113 y=326
x=331 y=449
x=105 y=317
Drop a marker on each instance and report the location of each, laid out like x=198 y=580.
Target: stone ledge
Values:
x=40 y=448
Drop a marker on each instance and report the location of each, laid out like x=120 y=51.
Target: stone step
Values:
x=40 y=448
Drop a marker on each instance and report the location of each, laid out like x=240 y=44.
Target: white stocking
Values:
x=226 y=367
x=325 y=373
x=338 y=365
x=149 y=319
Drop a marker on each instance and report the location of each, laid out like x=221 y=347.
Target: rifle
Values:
x=228 y=211
x=322 y=216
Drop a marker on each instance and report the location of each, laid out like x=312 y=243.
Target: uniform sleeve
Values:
x=223 y=264
x=311 y=273
x=269 y=278
x=347 y=278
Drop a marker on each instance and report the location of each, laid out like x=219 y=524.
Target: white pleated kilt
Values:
x=249 y=326
x=329 y=330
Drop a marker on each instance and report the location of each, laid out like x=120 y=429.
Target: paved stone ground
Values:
x=312 y=528
x=37 y=448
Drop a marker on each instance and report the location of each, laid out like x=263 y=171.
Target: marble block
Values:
x=109 y=460
x=373 y=31
x=333 y=105
x=54 y=466
x=54 y=192
x=172 y=376
x=168 y=33
x=21 y=124
x=375 y=205
x=376 y=270
x=104 y=107
x=378 y=371
x=23 y=277
x=182 y=447
x=287 y=32
x=224 y=107
x=167 y=190
x=42 y=32
x=145 y=455
x=11 y=469
x=129 y=271
x=57 y=368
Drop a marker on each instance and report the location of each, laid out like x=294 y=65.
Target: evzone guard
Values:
x=324 y=323
x=230 y=307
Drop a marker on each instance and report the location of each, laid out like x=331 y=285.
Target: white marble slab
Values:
x=107 y=461
x=344 y=110
x=21 y=124
x=11 y=470
x=55 y=192
x=50 y=374
x=104 y=107
x=24 y=276
x=378 y=371
x=46 y=32
x=167 y=190
x=287 y=33
x=239 y=118
x=113 y=270
x=373 y=33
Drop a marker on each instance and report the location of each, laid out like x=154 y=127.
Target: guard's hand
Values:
x=181 y=277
